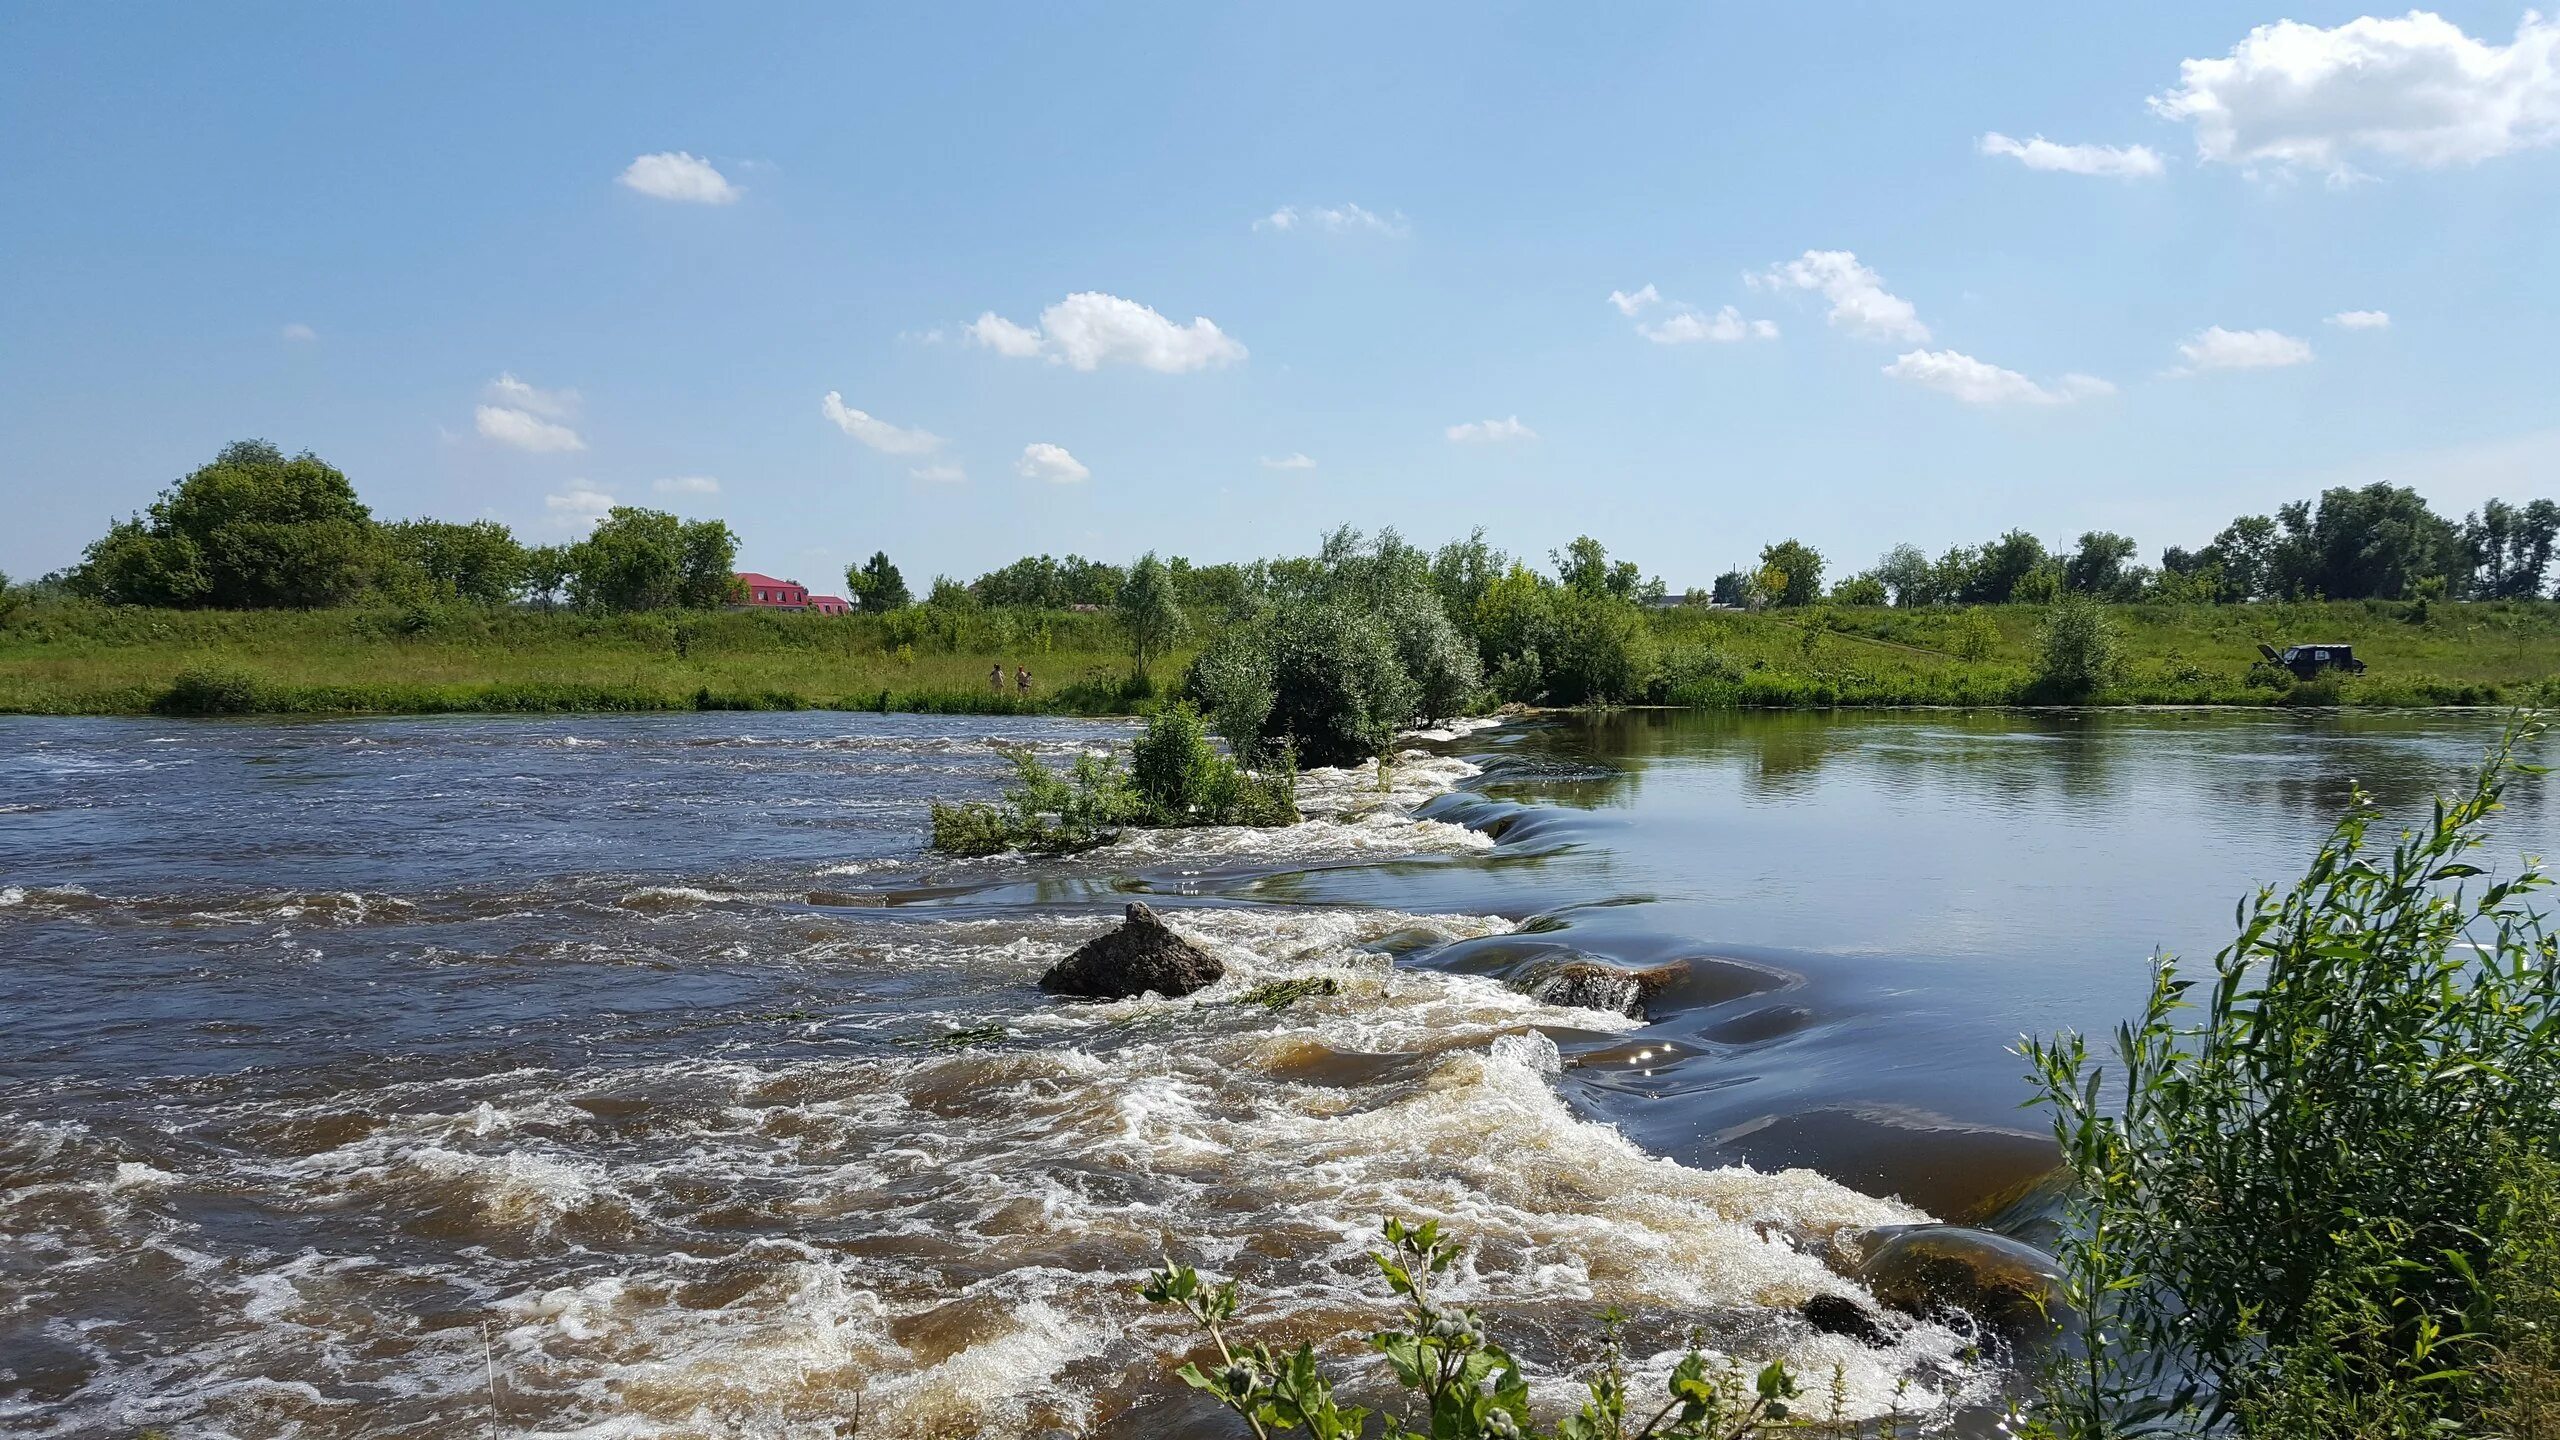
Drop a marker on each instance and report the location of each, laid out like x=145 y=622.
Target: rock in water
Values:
x=1140 y=956
x=1928 y=1268
x=1589 y=985
x=1840 y=1315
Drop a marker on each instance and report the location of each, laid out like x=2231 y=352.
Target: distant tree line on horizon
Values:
x=2377 y=542
x=259 y=529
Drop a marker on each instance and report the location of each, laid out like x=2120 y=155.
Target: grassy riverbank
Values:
x=61 y=657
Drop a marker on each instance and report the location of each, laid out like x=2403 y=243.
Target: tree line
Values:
x=257 y=529
x=2377 y=542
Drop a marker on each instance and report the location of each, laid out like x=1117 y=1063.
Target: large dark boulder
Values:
x=1140 y=956
x=1840 y=1315
x=1590 y=985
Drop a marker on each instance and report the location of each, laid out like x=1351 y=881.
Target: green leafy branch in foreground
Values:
x=2325 y=1204
x=1175 y=779
x=1466 y=1387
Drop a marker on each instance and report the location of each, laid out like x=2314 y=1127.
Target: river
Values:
x=640 y=1076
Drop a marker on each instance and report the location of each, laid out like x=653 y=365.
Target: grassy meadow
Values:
x=71 y=657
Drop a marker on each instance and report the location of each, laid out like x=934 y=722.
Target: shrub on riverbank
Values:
x=2324 y=1204
x=1174 y=780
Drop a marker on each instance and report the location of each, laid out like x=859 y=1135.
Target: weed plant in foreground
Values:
x=1460 y=1383
x=2325 y=1204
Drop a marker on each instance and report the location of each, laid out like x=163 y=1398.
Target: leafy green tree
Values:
x=255 y=529
x=547 y=569
x=479 y=562
x=640 y=559
x=2097 y=565
x=1462 y=571
x=1800 y=565
x=876 y=584
x=2001 y=567
x=12 y=598
x=1904 y=571
x=1865 y=589
x=1733 y=587
x=134 y=564
x=2509 y=547
x=2374 y=542
x=1583 y=566
x=1148 y=611
x=2243 y=555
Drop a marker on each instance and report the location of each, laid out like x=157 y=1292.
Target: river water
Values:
x=639 y=1076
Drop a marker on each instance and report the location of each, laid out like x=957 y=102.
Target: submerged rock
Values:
x=1925 y=1269
x=1840 y=1315
x=1140 y=956
x=1590 y=985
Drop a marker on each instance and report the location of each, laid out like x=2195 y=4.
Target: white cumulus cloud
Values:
x=1296 y=460
x=1339 y=219
x=1859 y=302
x=2122 y=161
x=942 y=474
x=675 y=175
x=1486 y=432
x=1044 y=461
x=1688 y=326
x=524 y=430
x=1632 y=305
x=1979 y=382
x=687 y=485
x=2413 y=90
x=2362 y=319
x=1089 y=330
x=580 y=507
x=875 y=432
x=299 y=331
x=2215 y=348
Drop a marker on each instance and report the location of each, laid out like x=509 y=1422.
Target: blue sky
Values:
x=414 y=240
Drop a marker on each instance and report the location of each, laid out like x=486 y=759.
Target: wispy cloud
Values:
x=687 y=485
x=939 y=474
x=676 y=175
x=1489 y=432
x=2215 y=348
x=1296 y=460
x=298 y=332
x=1860 y=304
x=1345 y=218
x=1979 y=382
x=875 y=432
x=1687 y=327
x=579 y=507
x=2124 y=162
x=2362 y=320
x=524 y=431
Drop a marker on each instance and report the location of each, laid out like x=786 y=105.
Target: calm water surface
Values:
x=598 y=1076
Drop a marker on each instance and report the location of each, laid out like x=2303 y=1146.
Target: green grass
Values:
x=2445 y=654
x=65 y=657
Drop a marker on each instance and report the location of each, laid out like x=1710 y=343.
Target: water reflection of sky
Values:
x=1943 y=881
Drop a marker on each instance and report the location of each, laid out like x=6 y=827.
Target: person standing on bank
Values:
x=1021 y=679
x=995 y=678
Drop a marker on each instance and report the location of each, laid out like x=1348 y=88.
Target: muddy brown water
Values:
x=596 y=1076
